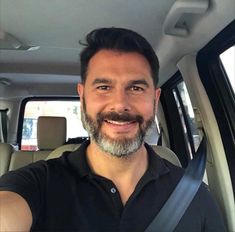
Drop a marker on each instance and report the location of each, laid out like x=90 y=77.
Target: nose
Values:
x=120 y=102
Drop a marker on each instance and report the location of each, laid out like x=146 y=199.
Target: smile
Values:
x=120 y=126
x=119 y=122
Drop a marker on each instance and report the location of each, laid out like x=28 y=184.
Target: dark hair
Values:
x=118 y=39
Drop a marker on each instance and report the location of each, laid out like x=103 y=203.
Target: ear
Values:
x=80 y=91
x=157 y=96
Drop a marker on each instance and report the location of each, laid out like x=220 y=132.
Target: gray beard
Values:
x=115 y=147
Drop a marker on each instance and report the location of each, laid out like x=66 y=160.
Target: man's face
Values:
x=118 y=101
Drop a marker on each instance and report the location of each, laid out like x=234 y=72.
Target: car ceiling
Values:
x=57 y=26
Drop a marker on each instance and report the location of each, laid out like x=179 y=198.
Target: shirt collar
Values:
x=79 y=164
x=78 y=160
x=157 y=166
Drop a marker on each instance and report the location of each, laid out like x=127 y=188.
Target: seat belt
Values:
x=178 y=202
x=4 y=124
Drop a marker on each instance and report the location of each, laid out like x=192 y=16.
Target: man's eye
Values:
x=103 y=87
x=136 y=88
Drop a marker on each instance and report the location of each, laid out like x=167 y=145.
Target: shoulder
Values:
x=205 y=208
x=37 y=167
x=32 y=181
x=33 y=176
x=164 y=159
x=207 y=200
x=31 y=170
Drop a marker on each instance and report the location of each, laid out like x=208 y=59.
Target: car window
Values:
x=187 y=118
x=216 y=65
x=33 y=109
x=183 y=134
x=228 y=60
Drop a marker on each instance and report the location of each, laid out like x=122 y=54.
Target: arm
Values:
x=15 y=214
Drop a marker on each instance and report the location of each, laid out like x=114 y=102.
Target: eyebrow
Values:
x=108 y=81
x=139 y=82
x=101 y=81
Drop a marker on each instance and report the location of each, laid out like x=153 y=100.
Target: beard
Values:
x=119 y=147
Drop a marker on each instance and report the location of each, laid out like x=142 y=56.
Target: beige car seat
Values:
x=51 y=133
x=6 y=151
x=163 y=152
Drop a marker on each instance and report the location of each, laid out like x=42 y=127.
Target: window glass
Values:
x=33 y=109
x=183 y=123
x=228 y=60
x=190 y=117
x=191 y=134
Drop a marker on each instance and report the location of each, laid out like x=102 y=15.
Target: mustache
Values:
x=119 y=117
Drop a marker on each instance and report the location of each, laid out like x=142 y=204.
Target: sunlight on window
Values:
x=68 y=109
x=228 y=60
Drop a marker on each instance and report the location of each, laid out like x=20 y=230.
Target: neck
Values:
x=125 y=172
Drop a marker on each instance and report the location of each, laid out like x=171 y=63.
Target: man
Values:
x=114 y=181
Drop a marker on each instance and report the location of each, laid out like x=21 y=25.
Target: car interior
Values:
x=40 y=43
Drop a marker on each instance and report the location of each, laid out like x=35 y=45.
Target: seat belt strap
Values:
x=4 y=124
x=178 y=202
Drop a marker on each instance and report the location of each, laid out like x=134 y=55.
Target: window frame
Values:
x=219 y=90
x=30 y=99
x=178 y=141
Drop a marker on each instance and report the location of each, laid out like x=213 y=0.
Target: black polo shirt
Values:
x=64 y=195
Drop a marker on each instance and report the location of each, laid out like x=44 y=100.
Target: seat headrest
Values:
x=167 y=154
x=60 y=150
x=51 y=132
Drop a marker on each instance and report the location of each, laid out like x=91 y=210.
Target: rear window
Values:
x=228 y=60
x=33 y=109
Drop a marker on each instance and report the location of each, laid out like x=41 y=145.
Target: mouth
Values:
x=122 y=123
x=121 y=127
x=119 y=123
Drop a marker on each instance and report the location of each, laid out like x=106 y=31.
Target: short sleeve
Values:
x=202 y=215
x=29 y=182
x=213 y=216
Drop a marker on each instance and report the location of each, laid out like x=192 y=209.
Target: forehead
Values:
x=111 y=63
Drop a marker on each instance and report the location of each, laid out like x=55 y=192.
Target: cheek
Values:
x=146 y=107
x=147 y=100
x=149 y=110
x=93 y=105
